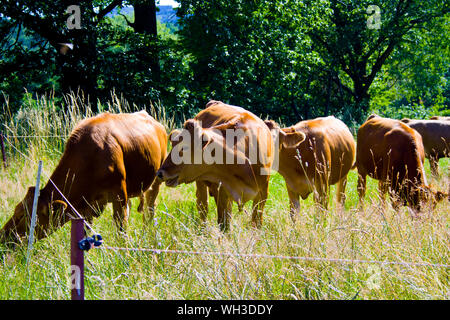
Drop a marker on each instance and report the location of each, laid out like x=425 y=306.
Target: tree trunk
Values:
x=362 y=100
x=79 y=66
x=327 y=103
x=306 y=102
x=295 y=109
x=145 y=22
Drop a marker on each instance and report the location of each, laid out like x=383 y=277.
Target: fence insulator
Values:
x=88 y=243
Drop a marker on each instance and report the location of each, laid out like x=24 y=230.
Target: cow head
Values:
x=202 y=153
x=48 y=216
x=435 y=196
x=288 y=137
x=417 y=195
x=185 y=162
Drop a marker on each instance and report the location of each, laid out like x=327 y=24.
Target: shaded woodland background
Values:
x=285 y=59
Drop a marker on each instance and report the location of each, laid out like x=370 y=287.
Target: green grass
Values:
x=371 y=234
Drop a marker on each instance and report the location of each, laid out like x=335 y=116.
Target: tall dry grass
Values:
x=374 y=233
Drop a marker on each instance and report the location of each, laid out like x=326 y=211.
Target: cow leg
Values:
x=321 y=195
x=321 y=198
x=340 y=192
x=150 y=198
x=120 y=207
x=224 y=208
x=361 y=188
x=202 y=199
x=434 y=166
x=294 y=204
x=213 y=191
x=258 y=206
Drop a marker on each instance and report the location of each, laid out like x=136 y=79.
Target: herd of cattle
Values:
x=115 y=157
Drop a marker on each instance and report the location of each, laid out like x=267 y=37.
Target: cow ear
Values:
x=271 y=124
x=405 y=120
x=439 y=196
x=211 y=102
x=59 y=204
x=291 y=138
x=194 y=128
x=173 y=136
x=190 y=125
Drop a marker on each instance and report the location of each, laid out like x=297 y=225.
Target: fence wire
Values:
x=278 y=257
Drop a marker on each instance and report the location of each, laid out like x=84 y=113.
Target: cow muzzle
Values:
x=171 y=181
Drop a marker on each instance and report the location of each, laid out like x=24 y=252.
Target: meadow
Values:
x=373 y=233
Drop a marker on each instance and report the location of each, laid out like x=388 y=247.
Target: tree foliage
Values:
x=308 y=58
x=285 y=59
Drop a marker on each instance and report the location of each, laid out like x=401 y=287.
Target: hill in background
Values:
x=165 y=14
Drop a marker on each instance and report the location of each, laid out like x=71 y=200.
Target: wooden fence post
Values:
x=77 y=260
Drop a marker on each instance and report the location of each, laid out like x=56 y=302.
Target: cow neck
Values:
x=63 y=181
x=241 y=185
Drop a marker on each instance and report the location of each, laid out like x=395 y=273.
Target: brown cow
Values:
x=436 y=139
x=393 y=153
x=107 y=158
x=232 y=171
x=323 y=159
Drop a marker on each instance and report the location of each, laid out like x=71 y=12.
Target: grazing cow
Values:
x=232 y=171
x=393 y=153
x=107 y=158
x=323 y=159
x=436 y=139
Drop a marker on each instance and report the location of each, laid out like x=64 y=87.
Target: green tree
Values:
x=343 y=38
x=297 y=59
x=104 y=55
x=417 y=74
x=249 y=53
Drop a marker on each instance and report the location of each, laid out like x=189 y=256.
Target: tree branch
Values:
x=108 y=9
x=344 y=66
x=379 y=63
x=129 y=23
x=336 y=79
